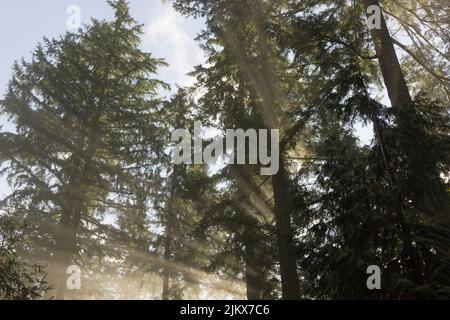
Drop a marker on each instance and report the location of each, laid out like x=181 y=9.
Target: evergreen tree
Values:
x=86 y=112
x=93 y=184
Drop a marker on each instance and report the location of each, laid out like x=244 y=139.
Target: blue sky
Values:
x=24 y=23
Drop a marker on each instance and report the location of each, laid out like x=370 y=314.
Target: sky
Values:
x=168 y=35
x=24 y=23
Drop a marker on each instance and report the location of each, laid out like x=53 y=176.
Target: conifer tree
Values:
x=86 y=114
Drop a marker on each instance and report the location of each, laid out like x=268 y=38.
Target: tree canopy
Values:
x=93 y=184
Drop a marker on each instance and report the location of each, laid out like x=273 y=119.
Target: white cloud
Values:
x=170 y=36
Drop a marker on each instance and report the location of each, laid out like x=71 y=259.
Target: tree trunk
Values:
x=254 y=282
x=166 y=271
x=66 y=249
x=288 y=265
x=168 y=252
x=390 y=67
x=399 y=95
x=66 y=238
x=168 y=237
x=262 y=76
x=75 y=201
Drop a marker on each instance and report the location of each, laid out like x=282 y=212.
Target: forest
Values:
x=99 y=209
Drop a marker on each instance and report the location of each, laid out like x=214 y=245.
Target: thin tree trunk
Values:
x=168 y=241
x=166 y=272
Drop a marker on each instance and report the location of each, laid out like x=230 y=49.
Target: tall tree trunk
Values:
x=253 y=279
x=248 y=209
x=399 y=95
x=288 y=265
x=390 y=67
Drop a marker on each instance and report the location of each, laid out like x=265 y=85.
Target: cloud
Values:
x=170 y=36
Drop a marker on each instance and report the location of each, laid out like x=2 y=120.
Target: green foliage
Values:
x=18 y=279
x=87 y=122
x=92 y=142
x=365 y=214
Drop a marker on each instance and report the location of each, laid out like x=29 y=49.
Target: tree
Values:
x=256 y=62
x=362 y=208
x=86 y=112
x=94 y=185
x=18 y=279
x=330 y=59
